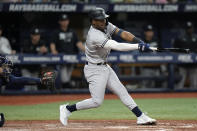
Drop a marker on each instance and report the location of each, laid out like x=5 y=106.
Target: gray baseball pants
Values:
x=99 y=77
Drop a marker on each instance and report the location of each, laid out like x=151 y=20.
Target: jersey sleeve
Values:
x=5 y=47
x=111 y=28
x=99 y=39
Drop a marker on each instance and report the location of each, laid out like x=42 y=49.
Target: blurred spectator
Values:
x=5 y=47
x=65 y=1
x=149 y=70
x=80 y=1
x=41 y=1
x=149 y=36
x=187 y=40
x=65 y=41
x=142 y=1
x=187 y=1
x=117 y=1
x=161 y=1
x=27 y=0
x=172 y=1
x=11 y=0
x=99 y=1
x=166 y=1
x=33 y=45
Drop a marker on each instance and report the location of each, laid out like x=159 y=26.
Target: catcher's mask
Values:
x=98 y=14
x=6 y=64
x=2 y=119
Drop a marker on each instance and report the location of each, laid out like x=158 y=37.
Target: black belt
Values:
x=102 y=63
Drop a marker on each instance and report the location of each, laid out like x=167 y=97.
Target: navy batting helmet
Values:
x=98 y=14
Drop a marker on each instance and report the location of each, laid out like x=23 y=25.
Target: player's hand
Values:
x=43 y=49
x=144 y=47
x=3 y=72
x=54 y=52
x=13 y=52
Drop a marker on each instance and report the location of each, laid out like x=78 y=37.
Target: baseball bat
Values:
x=178 y=50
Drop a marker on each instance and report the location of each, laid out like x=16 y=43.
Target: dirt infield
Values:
x=100 y=125
x=39 y=99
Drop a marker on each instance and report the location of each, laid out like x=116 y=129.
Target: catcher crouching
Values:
x=6 y=78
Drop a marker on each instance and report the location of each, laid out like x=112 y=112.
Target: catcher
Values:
x=6 y=78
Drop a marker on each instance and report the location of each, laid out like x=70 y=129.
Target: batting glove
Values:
x=144 y=47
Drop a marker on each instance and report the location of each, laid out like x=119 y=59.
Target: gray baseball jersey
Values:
x=95 y=41
x=101 y=76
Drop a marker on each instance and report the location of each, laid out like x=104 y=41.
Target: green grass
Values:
x=175 y=109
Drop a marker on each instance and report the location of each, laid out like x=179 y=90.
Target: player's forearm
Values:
x=53 y=48
x=1 y=70
x=111 y=44
x=24 y=80
x=81 y=46
x=127 y=36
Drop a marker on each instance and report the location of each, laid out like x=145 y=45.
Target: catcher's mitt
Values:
x=48 y=80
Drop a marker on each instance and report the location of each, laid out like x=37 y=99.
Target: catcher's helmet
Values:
x=2 y=119
x=5 y=62
x=98 y=14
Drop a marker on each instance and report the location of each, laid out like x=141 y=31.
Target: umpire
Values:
x=187 y=40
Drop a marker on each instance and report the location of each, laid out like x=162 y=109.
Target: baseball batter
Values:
x=99 y=74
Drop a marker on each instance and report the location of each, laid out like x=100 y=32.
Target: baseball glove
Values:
x=48 y=80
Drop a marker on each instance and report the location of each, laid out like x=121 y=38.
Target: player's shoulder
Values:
x=111 y=28
x=93 y=30
x=4 y=39
x=94 y=33
x=110 y=25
